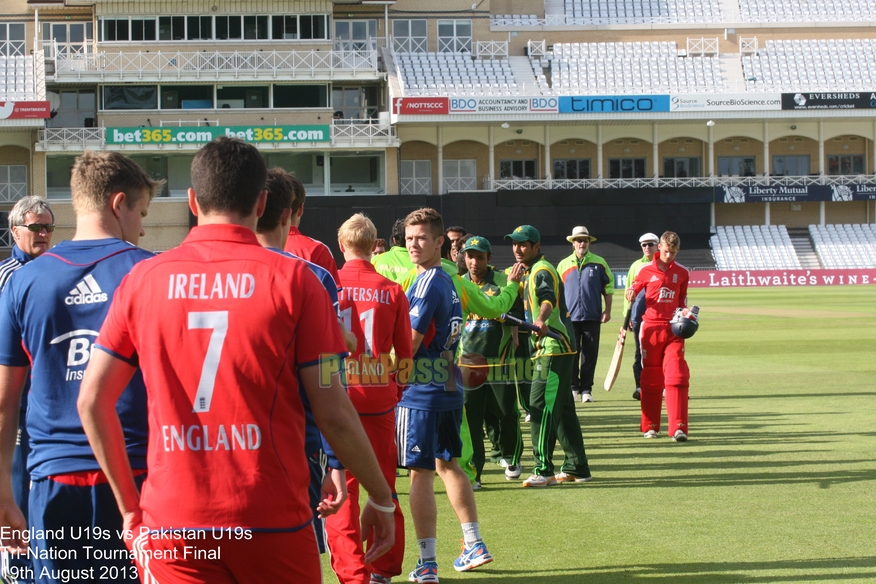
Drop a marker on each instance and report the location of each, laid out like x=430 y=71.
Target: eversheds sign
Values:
x=597 y=104
x=827 y=100
x=421 y=106
x=204 y=134
x=779 y=278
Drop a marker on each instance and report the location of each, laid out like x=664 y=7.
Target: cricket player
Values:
x=430 y=411
x=663 y=364
x=305 y=247
x=51 y=311
x=648 y=242
x=241 y=326
x=492 y=340
x=551 y=406
x=376 y=311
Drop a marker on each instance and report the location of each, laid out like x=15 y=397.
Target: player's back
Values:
x=383 y=323
x=54 y=308
x=237 y=322
x=311 y=250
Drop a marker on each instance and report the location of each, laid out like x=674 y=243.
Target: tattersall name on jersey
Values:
x=359 y=294
x=200 y=287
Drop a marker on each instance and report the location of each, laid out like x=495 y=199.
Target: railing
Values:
x=73 y=137
x=11 y=192
x=359 y=130
x=491 y=49
x=702 y=47
x=180 y=123
x=415 y=44
x=5 y=237
x=565 y=20
x=748 y=45
x=415 y=186
x=52 y=49
x=715 y=181
x=464 y=183
x=169 y=65
x=536 y=49
x=12 y=49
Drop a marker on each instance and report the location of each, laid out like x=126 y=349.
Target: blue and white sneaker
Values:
x=473 y=557
x=424 y=572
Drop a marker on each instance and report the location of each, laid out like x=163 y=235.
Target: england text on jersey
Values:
x=202 y=287
x=241 y=437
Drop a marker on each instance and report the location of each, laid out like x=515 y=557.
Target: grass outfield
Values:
x=777 y=482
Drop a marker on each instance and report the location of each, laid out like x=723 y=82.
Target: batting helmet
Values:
x=685 y=326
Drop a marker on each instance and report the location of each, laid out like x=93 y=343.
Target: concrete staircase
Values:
x=523 y=75
x=731 y=67
x=803 y=248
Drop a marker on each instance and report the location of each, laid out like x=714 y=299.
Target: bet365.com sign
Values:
x=204 y=134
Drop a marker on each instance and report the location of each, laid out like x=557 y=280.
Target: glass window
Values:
x=790 y=166
x=410 y=36
x=681 y=167
x=242 y=96
x=509 y=169
x=300 y=96
x=845 y=164
x=11 y=39
x=313 y=26
x=76 y=109
x=13 y=182
x=736 y=166
x=571 y=168
x=186 y=96
x=284 y=27
x=358 y=173
x=124 y=97
x=229 y=27
x=72 y=37
x=460 y=175
x=58 y=176
x=143 y=29
x=172 y=28
x=626 y=168
x=199 y=27
x=308 y=168
x=415 y=177
x=454 y=36
x=256 y=28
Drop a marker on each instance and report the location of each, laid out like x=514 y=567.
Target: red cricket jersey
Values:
x=383 y=324
x=220 y=327
x=311 y=250
x=665 y=291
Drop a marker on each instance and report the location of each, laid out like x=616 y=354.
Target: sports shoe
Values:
x=652 y=434
x=637 y=395
x=565 y=477
x=424 y=572
x=540 y=481
x=512 y=472
x=503 y=463
x=577 y=395
x=476 y=486
x=679 y=436
x=378 y=579
x=586 y=397
x=527 y=418
x=471 y=558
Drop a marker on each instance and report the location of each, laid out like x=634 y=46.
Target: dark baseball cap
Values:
x=477 y=243
x=524 y=233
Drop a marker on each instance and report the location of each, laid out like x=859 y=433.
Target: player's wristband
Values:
x=381 y=508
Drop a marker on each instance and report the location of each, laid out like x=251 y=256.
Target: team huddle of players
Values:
x=189 y=410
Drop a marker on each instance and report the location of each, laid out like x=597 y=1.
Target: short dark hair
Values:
x=455 y=228
x=280 y=188
x=298 y=194
x=227 y=176
x=398 y=232
x=427 y=216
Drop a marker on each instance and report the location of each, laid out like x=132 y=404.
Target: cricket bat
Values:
x=616 y=359
x=523 y=324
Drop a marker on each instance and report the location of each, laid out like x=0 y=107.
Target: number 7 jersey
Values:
x=221 y=328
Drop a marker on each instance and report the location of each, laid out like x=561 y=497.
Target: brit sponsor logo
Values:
x=87 y=291
x=665 y=294
x=81 y=342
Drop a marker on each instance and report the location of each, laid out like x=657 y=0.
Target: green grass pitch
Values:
x=777 y=482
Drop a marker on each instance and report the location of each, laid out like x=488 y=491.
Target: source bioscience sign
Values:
x=827 y=100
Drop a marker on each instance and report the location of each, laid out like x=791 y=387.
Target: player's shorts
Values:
x=422 y=436
x=316 y=462
x=87 y=516
x=221 y=558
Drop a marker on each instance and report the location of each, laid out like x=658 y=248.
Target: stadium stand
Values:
x=631 y=67
x=844 y=246
x=807 y=10
x=16 y=78
x=754 y=247
x=806 y=65
x=458 y=73
x=620 y=12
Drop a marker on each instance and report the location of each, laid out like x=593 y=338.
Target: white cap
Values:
x=649 y=237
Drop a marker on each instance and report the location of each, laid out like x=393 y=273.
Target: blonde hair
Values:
x=358 y=233
x=96 y=176
x=671 y=239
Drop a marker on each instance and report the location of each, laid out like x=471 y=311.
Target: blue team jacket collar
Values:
x=222 y=232
x=20 y=255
